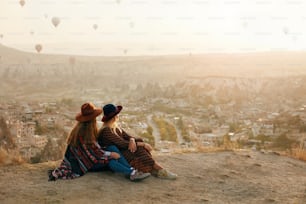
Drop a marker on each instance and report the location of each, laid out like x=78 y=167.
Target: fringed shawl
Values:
x=78 y=161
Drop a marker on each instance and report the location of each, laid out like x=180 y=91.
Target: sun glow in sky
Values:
x=150 y=27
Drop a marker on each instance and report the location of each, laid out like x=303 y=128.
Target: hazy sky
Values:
x=141 y=27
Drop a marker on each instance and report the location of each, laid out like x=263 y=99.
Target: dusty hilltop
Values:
x=218 y=177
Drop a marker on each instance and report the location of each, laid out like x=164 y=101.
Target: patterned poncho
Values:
x=141 y=160
x=78 y=160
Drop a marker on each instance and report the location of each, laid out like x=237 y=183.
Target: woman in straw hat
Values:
x=83 y=153
x=135 y=150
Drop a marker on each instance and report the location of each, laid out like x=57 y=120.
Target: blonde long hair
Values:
x=113 y=125
x=87 y=130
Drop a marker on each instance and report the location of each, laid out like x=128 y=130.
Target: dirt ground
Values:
x=218 y=177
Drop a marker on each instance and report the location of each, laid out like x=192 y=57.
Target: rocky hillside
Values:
x=154 y=68
x=272 y=74
x=218 y=177
x=247 y=88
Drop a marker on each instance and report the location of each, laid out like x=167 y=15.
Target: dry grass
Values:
x=9 y=158
x=299 y=153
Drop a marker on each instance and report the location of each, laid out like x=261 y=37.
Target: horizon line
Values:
x=190 y=53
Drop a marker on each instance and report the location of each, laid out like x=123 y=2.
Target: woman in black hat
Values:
x=83 y=153
x=135 y=150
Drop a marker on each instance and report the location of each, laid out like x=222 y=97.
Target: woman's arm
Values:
x=93 y=152
x=145 y=145
x=128 y=137
x=107 y=137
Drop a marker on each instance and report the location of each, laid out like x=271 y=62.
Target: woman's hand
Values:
x=114 y=155
x=148 y=147
x=132 y=145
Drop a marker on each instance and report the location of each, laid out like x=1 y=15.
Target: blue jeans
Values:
x=119 y=165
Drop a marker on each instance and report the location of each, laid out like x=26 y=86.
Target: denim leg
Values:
x=119 y=165
x=116 y=166
x=122 y=160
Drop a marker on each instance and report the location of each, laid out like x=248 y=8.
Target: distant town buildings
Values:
x=202 y=124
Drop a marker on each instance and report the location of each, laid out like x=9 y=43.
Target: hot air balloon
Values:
x=38 y=48
x=72 y=60
x=95 y=26
x=131 y=24
x=22 y=2
x=1 y=36
x=245 y=24
x=55 y=21
x=285 y=30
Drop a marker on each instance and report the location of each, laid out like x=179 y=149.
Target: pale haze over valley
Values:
x=127 y=27
x=216 y=87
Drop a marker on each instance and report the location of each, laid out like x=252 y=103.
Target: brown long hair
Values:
x=87 y=130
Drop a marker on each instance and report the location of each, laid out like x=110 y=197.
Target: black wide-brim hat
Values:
x=109 y=111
